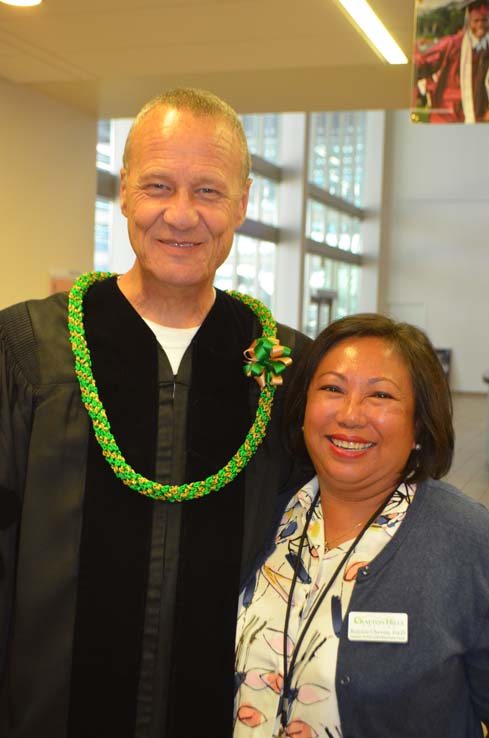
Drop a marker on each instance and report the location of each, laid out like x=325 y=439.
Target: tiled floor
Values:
x=470 y=471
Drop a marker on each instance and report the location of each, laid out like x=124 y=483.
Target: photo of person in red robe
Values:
x=452 y=71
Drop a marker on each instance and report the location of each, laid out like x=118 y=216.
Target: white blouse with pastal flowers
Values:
x=313 y=707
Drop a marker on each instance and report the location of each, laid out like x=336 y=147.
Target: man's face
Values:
x=479 y=21
x=183 y=196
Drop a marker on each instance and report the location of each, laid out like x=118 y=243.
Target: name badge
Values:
x=378 y=627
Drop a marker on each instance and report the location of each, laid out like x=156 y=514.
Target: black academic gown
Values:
x=117 y=611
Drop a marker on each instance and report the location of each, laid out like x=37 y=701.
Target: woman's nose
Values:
x=180 y=212
x=351 y=412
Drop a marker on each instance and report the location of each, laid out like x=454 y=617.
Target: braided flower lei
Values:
x=266 y=360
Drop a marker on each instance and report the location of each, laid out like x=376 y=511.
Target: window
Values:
x=105 y=149
x=250 y=268
x=336 y=159
x=103 y=224
x=263 y=202
x=332 y=227
x=331 y=292
x=263 y=135
x=333 y=221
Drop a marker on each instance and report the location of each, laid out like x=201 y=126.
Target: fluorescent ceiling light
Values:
x=374 y=29
x=22 y=3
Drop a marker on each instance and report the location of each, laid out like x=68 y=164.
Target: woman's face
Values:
x=359 y=419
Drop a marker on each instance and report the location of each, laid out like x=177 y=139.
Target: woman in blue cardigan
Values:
x=368 y=616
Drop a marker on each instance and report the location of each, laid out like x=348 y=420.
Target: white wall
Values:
x=437 y=238
x=47 y=191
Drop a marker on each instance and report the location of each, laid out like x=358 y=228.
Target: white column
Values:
x=372 y=283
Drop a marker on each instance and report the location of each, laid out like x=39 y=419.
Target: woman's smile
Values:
x=359 y=419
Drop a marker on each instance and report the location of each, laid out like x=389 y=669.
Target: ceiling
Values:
x=107 y=57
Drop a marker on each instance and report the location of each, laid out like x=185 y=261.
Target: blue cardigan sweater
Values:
x=435 y=569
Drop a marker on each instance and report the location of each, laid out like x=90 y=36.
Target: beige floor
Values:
x=470 y=471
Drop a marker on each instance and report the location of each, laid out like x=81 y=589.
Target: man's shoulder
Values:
x=293 y=338
x=27 y=327
x=19 y=321
x=45 y=305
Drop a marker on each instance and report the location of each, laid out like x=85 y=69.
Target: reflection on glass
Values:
x=105 y=148
x=336 y=156
x=263 y=135
x=332 y=227
x=263 y=201
x=103 y=223
x=331 y=291
x=249 y=268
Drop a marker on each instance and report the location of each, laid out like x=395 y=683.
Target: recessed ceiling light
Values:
x=373 y=28
x=21 y=3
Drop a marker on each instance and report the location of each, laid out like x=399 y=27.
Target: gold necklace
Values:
x=329 y=545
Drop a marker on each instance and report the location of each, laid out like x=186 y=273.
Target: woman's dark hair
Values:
x=433 y=404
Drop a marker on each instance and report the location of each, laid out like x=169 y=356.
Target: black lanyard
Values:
x=289 y=671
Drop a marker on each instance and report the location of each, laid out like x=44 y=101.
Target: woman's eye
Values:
x=330 y=388
x=382 y=395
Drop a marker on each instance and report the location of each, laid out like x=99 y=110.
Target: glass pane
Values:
x=263 y=201
x=271 y=137
x=251 y=124
x=331 y=291
x=263 y=135
x=316 y=221
x=332 y=227
x=342 y=286
x=105 y=149
x=249 y=268
x=254 y=199
x=320 y=294
x=269 y=202
x=336 y=153
x=103 y=221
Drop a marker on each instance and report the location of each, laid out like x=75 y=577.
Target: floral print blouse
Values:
x=312 y=707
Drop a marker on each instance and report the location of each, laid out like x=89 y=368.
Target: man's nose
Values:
x=180 y=211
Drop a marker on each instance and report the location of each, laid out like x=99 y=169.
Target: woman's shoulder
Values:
x=449 y=507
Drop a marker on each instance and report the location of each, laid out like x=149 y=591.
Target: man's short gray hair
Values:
x=200 y=103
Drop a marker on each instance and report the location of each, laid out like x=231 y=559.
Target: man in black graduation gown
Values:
x=117 y=609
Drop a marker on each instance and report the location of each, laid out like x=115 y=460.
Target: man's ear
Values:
x=123 y=191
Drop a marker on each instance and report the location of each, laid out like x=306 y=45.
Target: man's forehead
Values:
x=168 y=121
x=170 y=132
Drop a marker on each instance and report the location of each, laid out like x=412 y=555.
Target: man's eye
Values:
x=208 y=191
x=156 y=187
